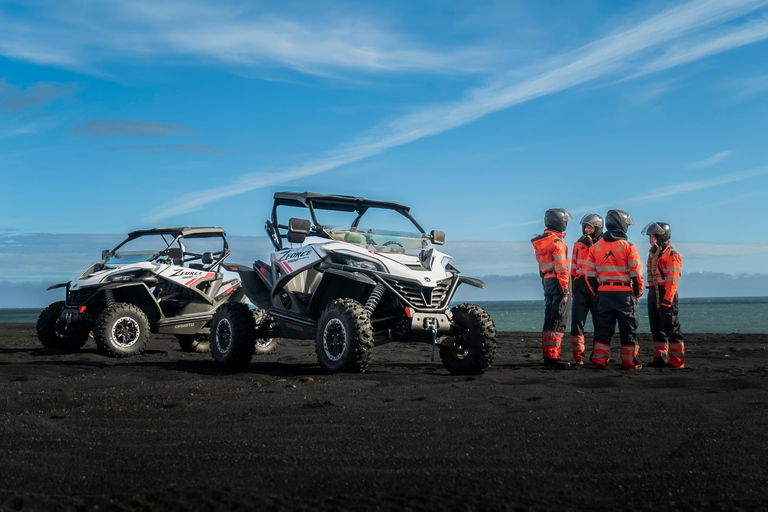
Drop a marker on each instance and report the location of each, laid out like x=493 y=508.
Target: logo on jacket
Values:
x=609 y=255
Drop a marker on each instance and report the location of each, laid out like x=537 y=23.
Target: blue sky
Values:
x=480 y=115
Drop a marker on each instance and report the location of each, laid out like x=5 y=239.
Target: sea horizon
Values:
x=697 y=315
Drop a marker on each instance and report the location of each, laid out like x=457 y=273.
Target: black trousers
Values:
x=583 y=303
x=613 y=308
x=555 y=311
x=665 y=324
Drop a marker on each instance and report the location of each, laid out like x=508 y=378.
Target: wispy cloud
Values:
x=15 y=99
x=130 y=129
x=618 y=53
x=159 y=149
x=221 y=31
x=712 y=160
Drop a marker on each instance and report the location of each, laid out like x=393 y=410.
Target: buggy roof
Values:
x=186 y=232
x=332 y=202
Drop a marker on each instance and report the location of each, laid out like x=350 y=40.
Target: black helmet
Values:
x=661 y=229
x=557 y=219
x=618 y=220
x=594 y=220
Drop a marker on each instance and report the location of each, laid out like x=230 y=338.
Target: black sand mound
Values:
x=173 y=431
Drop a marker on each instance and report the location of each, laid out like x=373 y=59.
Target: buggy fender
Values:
x=54 y=286
x=139 y=295
x=253 y=284
x=336 y=284
x=477 y=283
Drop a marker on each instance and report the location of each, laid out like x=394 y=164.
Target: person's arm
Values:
x=560 y=260
x=591 y=271
x=671 y=278
x=635 y=267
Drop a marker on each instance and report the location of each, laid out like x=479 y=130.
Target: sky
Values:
x=480 y=115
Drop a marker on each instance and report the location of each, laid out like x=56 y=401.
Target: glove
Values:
x=665 y=303
x=586 y=240
x=636 y=288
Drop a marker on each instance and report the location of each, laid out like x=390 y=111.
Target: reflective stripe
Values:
x=559 y=257
x=608 y=279
x=673 y=278
x=673 y=269
x=634 y=263
x=544 y=266
x=621 y=244
x=635 y=273
x=590 y=273
x=611 y=269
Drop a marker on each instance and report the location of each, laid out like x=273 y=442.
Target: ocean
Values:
x=715 y=315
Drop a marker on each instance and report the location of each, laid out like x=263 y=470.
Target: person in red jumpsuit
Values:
x=664 y=267
x=552 y=256
x=583 y=302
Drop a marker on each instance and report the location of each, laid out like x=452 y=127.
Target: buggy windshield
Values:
x=126 y=257
x=379 y=240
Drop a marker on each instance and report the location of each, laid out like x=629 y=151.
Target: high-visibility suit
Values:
x=664 y=268
x=552 y=255
x=583 y=301
x=615 y=274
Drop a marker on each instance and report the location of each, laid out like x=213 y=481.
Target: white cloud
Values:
x=84 y=35
x=607 y=56
x=712 y=160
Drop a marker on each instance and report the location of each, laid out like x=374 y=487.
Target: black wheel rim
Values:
x=334 y=339
x=223 y=335
x=125 y=331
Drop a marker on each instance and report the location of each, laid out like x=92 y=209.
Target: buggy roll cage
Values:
x=338 y=203
x=179 y=233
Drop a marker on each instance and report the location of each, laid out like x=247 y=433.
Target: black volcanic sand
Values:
x=170 y=430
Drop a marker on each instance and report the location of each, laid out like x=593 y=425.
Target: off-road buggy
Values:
x=157 y=280
x=349 y=287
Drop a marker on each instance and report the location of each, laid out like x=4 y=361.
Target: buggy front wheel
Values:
x=233 y=334
x=53 y=331
x=121 y=330
x=474 y=344
x=344 y=338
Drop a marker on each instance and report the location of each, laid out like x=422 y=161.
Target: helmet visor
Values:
x=653 y=228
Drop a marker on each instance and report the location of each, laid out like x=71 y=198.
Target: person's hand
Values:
x=665 y=303
x=564 y=299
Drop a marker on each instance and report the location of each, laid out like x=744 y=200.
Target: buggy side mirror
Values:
x=104 y=254
x=437 y=237
x=298 y=229
x=207 y=258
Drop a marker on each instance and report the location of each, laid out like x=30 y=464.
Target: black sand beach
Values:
x=173 y=431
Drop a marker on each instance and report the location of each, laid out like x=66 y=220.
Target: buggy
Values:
x=350 y=287
x=156 y=280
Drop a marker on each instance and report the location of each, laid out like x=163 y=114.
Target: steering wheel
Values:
x=392 y=242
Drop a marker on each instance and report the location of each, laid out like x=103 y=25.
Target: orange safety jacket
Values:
x=579 y=259
x=552 y=255
x=615 y=263
x=664 y=268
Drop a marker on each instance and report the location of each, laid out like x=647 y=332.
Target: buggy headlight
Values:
x=120 y=278
x=358 y=263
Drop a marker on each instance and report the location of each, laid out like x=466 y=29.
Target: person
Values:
x=582 y=300
x=552 y=256
x=664 y=267
x=615 y=275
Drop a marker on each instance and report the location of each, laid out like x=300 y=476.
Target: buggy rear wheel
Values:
x=344 y=337
x=121 y=330
x=264 y=323
x=53 y=332
x=475 y=343
x=233 y=334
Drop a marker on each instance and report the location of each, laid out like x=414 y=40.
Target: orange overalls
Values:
x=552 y=255
x=664 y=268
x=619 y=271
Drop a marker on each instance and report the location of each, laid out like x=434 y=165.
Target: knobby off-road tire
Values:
x=476 y=341
x=233 y=335
x=344 y=337
x=121 y=330
x=52 y=332
x=194 y=342
x=264 y=345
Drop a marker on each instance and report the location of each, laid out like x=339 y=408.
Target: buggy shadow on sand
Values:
x=153 y=281
x=349 y=287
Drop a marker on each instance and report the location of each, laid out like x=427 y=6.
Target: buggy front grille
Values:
x=422 y=296
x=78 y=297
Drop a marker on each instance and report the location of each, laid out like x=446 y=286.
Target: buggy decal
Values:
x=198 y=279
x=300 y=257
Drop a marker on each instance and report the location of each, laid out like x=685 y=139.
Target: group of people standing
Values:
x=605 y=278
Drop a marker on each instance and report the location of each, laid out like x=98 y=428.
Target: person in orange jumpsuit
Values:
x=615 y=275
x=583 y=302
x=552 y=256
x=664 y=267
